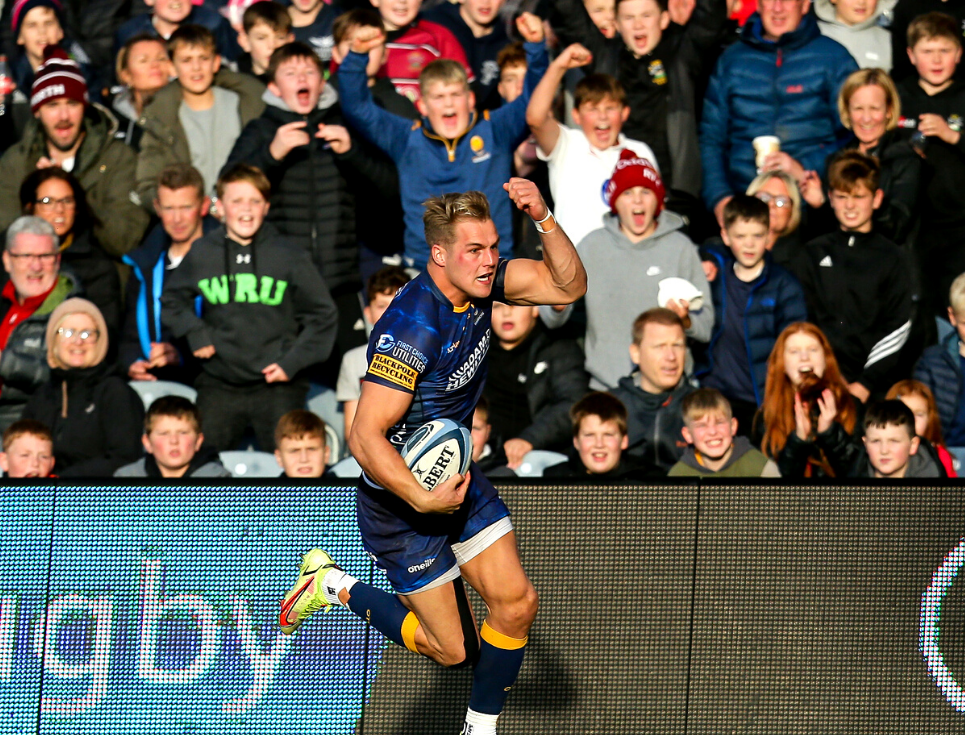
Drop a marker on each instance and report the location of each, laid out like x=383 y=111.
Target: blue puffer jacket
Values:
x=774 y=303
x=788 y=88
x=938 y=368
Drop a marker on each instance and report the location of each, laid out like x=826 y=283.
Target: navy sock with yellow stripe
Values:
x=385 y=613
x=500 y=658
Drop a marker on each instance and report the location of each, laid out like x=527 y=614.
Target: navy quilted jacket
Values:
x=788 y=88
x=938 y=368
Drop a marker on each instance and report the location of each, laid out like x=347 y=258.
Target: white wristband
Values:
x=549 y=215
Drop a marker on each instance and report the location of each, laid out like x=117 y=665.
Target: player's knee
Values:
x=519 y=612
x=452 y=655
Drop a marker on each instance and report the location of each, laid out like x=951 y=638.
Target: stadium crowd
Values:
x=222 y=198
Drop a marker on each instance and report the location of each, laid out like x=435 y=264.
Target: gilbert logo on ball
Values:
x=438 y=450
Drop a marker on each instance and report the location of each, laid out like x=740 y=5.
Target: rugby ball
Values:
x=438 y=450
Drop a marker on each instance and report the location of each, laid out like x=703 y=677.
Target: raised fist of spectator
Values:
x=574 y=56
x=530 y=27
x=366 y=39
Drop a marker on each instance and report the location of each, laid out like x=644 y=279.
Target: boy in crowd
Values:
x=312 y=24
x=301 y=447
x=599 y=425
x=381 y=288
x=857 y=283
x=892 y=451
x=856 y=25
x=942 y=368
x=582 y=160
x=934 y=102
x=265 y=27
x=173 y=441
x=713 y=449
x=754 y=299
x=453 y=148
x=266 y=315
x=146 y=347
x=37 y=24
x=28 y=450
x=639 y=246
x=167 y=16
x=197 y=118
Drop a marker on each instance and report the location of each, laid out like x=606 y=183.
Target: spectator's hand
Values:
x=139 y=371
x=681 y=10
x=530 y=27
x=274 y=374
x=288 y=136
x=682 y=309
x=45 y=162
x=802 y=418
x=719 y=210
x=573 y=56
x=446 y=498
x=526 y=196
x=828 y=407
x=710 y=270
x=365 y=39
x=515 y=450
x=934 y=125
x=781 y=161
x=811 y=190
x=859 y=391
x=163 y=353
x=338 y=138
x=204 y=353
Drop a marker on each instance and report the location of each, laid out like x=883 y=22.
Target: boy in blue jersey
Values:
x=453 y=148
x=427 y=361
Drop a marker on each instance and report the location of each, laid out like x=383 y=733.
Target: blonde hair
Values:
x=445 y=212
x=446 y=71
x=870 y=78
x=956 y=294
x=758 y=183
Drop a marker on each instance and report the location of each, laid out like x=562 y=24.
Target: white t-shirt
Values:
x=350 y=374
x=578 y=177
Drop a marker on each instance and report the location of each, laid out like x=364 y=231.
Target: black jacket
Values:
x=573 y=469
x=314 y=191
x=835 y=446
x=98 y=276
x=103 y=424
x=924 y=463
x=654 y=422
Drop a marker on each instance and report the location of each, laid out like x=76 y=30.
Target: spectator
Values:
x=921 y=402
x=173 y=441
x=197 y=118
x=533 y=380
x=167 y=16
x=312 y=24
x=892 y=451
x=381 y=288
x=492 y=462
x=713 y=449
x=94 y=416
x=937 y=101
x=603 y=15
x=34 y=289
x=809 y=414
x=856 y=25
x=480 y=29
x=654 y=392
x=942 y=368
x=581 y=161
x=70 y=133
x=599 y=426
x=661 y=64
x=147 y=348
x=781 y=79
x=780 y=192
x=266 y=316
x=301 y=447
x=57 y=197
x=905 y=11
x=856 y=282
x=28 y=450
x=266 y=26
x=457 y=150
x=143 y=67
x=754 y=300
x=639 y=246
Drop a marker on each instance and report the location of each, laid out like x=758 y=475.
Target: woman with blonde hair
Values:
x=809 y=415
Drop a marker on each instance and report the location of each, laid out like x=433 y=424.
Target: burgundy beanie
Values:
x=631 y=171
x=59 y=76
x=22 y=7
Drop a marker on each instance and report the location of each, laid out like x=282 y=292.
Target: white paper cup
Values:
x=764 y=145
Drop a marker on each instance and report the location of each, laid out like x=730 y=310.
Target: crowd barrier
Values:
x=673 y=608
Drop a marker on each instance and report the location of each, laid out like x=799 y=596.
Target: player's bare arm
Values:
x=560 y=277
x=379 y=409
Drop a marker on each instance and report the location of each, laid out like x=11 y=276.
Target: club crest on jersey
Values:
x=386 y=343
x=478 y=146
x=468 y=369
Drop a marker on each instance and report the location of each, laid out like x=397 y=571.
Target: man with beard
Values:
x=69 y=132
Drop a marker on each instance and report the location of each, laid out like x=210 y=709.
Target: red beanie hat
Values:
x=631 y=171
x=59 y=76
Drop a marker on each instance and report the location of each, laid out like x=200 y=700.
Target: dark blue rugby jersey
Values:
x=424 y=346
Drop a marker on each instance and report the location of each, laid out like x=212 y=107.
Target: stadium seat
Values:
x=348 y=467
x=321 y=402
x=250 y=464
x=151 y=390
x=537 y=460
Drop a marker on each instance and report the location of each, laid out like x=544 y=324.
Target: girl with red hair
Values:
x=919 y=398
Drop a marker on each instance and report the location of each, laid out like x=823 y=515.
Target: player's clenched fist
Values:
x=530 y=27
x=526 y=196
x=447 y=497
x=366 y=39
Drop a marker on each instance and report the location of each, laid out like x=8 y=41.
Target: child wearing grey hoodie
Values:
x=861 y=26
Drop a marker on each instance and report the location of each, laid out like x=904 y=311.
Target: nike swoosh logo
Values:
x=287 y=605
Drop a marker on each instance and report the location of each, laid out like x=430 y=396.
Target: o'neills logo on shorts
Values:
x=54 y=90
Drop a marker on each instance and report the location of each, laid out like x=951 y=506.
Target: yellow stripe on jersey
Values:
x=409 y=626
x=393 y=370
x=499 y=640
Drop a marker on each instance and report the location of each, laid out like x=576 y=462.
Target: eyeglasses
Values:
x=779 y=201
x=51 y=203
x=84 y=335
x=44 y=258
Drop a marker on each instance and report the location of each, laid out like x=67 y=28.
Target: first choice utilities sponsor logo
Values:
x=406 y=353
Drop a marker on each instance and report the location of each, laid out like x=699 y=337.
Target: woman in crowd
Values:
x=809 y=415
x=919 y=398
x=143 y=67
x=56 y=196
x=94 y=415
